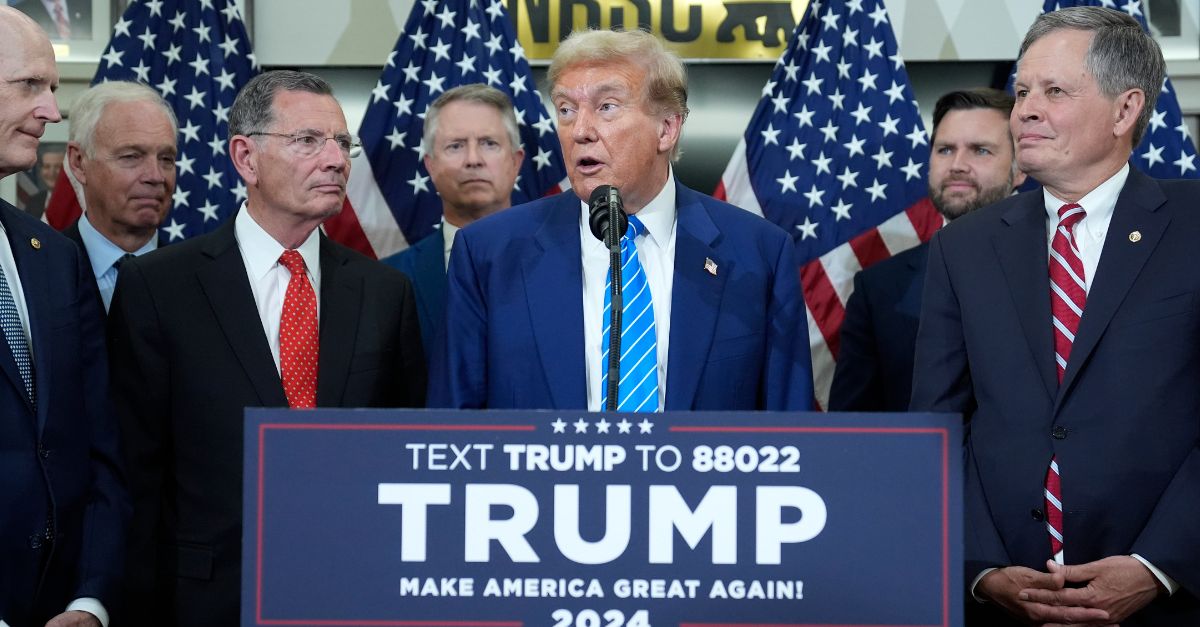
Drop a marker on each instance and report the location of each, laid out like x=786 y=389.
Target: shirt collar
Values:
x=658 y=215
x=101 y=251
x=261 y=252
x=1098 y=203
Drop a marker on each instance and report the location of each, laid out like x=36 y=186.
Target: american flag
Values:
x=1167 y=151
x=836 y=153
x=445 y=43
x=197 y=55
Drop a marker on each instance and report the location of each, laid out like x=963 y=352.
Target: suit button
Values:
x=1059 y=433
x=1037 y=515
x=35 y=541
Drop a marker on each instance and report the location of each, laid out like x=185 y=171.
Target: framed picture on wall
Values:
x=1176 y=26
x=34 y=185
x=78 y=29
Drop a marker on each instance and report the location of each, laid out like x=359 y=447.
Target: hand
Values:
x=74 y=618
x=1118 y=585
x=1004 y=586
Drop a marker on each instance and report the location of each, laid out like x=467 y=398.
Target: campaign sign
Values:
x=576 y=519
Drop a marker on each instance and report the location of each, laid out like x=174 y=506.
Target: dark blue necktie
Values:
x=14 y=336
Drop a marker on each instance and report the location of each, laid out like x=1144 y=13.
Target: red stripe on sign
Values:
x=870 y=248
x=823 y=302
x=345 y=229
x=925 y=218
x=64 y=208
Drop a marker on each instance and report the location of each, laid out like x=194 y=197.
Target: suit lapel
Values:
x=341 y=300
x=1120 y=263
x=227 y=288
x=32 y=274
x=1023 y=255
x=695 y=297
x=553 y=274
x=430 y=264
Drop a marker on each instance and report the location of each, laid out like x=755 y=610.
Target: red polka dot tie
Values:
x=298 y=335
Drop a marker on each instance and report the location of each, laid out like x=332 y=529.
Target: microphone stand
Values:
x=613 y=239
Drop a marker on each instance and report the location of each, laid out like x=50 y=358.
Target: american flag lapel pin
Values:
x=710 y=266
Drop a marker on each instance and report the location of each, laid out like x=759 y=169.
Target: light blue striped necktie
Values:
x=638 y=389
x=14 y=336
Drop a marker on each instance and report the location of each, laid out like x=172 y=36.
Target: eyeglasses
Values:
x=309 y=144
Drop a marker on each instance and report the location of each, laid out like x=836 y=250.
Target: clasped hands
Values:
x=1115 y=588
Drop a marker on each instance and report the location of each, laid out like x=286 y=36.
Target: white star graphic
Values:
x=896 y=92
x=518 y=84
x=559 y=425
x=180 y=199
x=209 y=210
x=1185 y=163
x=113 y=57
x=867 y=80
x=883 y=159
x=172 y=54
x=175 y=229
x=177 y=22
x=770 y=135
x=843 y=68
x=830 y=20
x=495 y=10
x=1157 y=120
x=814 y=196
x=184 y=164
x=855 y=145
x=466 y=65
x=813 y=84
x=849 y=37
x=848 y=178
x=912 y=170
x=544 y=125
x=419 y=183
x=861 y=114
x=396 y=138
x=147 y=39
x=403 y=105
x=842 y=210
x=808 y=229
x=917 y=136
x=155 y=7
x=796 y=150
x=873 y=48
x=1153 y=155
x=446 y=17
x=471 y=31
x=493 y=76
x=142 y=70
x=190 y=131
x=879 y=15
x=889 y=125
x=380 y=92
x=441 y=50
x=542 y=159
x=196 y=98
x=822 y=163
x=217 y=145
x=822 y=52
x=494 y=44
x=876 y=191
x=602 y=426
x=434 y=83
x=202 y=32
x=213 y=177
x=623 y=426
x=200 y=65
x=581 y=426
x=221 y=113
x=837 y=98
x=787 y=182
x=804 y=116
x=122 y=27
x=830 y=131
x=791 y=69
x=781 y=103
x=645 y=426
x=225 y=80
x=239 y=191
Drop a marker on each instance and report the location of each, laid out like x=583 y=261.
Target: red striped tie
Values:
x=1068 y=294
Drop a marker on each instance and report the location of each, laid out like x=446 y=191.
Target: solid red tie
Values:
x=299 y=336
x=1068 y=294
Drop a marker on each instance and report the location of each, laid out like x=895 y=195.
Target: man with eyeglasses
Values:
x=473 y=154
x=263 y=312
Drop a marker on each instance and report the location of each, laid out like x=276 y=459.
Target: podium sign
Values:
x=575 y=519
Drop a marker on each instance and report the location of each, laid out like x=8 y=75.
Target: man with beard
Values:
x=972 y=165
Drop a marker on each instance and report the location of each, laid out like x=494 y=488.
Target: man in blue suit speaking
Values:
x=713 y=315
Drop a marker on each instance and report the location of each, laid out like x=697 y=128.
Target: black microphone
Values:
x=604 y=208
x=604 y=198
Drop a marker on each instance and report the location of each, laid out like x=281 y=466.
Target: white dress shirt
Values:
x=1089 y=234
x=656 y=252
x=9 y=262
x=269 y=279
x=103 y=254
x=448 y=233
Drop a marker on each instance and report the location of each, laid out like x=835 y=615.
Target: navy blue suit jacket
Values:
x=879 y=335
x=425 y=265
x=514 y=313
x=1124 y=423
x=63 y=505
